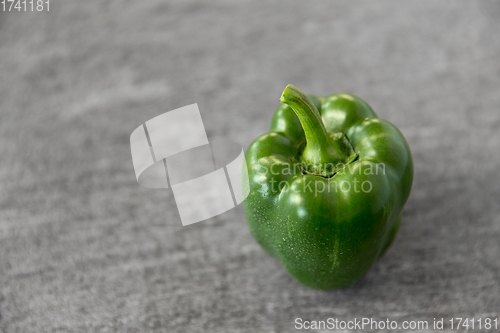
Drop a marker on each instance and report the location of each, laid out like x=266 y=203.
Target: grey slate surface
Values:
x=85 y=249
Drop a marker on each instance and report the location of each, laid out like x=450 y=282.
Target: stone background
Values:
x=85 y=249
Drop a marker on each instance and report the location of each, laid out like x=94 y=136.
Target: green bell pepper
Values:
x=327 y=187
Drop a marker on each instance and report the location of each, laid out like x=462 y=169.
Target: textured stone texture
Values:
x=85 y=249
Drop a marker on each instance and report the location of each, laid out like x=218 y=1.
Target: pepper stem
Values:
x=321 y=153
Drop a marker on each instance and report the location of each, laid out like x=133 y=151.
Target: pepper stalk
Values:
x=324 y=151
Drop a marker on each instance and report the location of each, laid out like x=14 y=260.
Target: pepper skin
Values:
x=327 y=187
